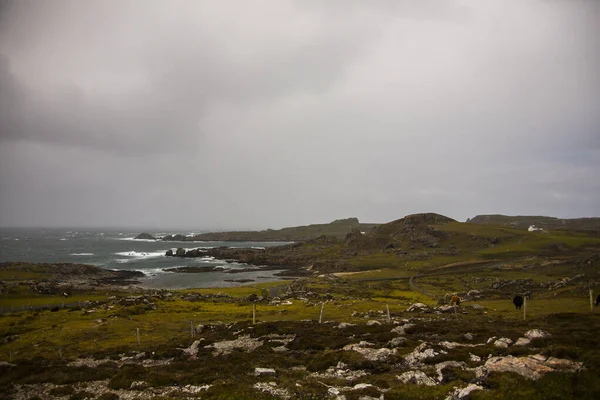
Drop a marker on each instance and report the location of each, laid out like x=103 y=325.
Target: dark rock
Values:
x=180 y=252
x=145 y=236
x=169 y=253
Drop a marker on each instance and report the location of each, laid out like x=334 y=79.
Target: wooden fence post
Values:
x=191 y=328
x=524 y=308
x=253 y=313
x=321 y=315
x=387 y=307
x=591 y=300
x=137 y=330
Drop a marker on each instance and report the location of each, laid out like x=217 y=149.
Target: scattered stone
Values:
x=360 y=386
x=532 y=367
x=469 y=336
x=474 y=358
x=416 y=377
x=503 y=343
x=418 y=307
x=522 y=342
x=192 y=351
x=138 y=385
x=419 y=354
x=537 y=334
x=264 y=371
x=227 y=346
x=272 y=389
x=491 y=340
x=445 y=309
x=440 y=366
x=396 y=342
x=345 y=325
x=477 y=306
x=199 y=329
x=373 y=322
x=459 y=393
x=370 y=354
x=404 y=329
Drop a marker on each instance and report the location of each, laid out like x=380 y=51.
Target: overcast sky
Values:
x=255 y=114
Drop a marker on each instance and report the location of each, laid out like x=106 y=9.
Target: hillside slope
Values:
x=338 y=228
x=525 y=221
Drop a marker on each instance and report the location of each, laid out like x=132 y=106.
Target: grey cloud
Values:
x=270 y=113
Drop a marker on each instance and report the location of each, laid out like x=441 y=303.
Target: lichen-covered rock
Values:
x=416 y=377
x=344 y=325
x=532 y=367
x=369 y=353
x=373 y=322
x=241 y=343
x=396 y=342
x=537 y=334
x=522 y=342
x=418 y=307
x=503 y=343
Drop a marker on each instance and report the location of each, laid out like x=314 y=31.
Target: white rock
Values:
x=417 y=307
x=396 y=342
x=416 y=377
x=138 y=385
x=464 y=392
x=373 y=322
x=264 y=371
x=468 y=336
x=360 y=386
x=474 y=358
x=522 y=341
x=503 y=343
x=492 y=339
x=345 y=325
x=537 y=333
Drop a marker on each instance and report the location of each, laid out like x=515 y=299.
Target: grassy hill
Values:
x=338 y=228
x=525 y=221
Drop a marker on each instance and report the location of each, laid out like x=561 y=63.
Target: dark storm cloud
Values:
x=242 y=114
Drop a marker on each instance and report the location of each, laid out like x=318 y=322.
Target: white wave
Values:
x=152 y=271
x=137 y=240
x=257 y=247
x=17 y=239
x=63 y=239
x=141 y=255
x=81 y=254
x=122 y=260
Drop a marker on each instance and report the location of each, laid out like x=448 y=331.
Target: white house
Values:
x=533 y=228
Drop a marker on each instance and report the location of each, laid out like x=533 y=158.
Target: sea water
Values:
x=118 y=250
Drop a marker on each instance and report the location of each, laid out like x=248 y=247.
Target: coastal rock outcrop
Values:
x=145 y=236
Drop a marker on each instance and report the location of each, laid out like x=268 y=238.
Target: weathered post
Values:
x=191 y=328
x=321 y=315
x=60 y=352
x=253 y=313
x=137 y=330
x=524 y=308
x=387 y=307
x=591 y=300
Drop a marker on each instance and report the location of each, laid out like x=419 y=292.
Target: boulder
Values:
x=531 y=367
x=522 y=342
x=138 y=385
x=416 y=377
x=370 y=354
x=403 y=329
x=145 y=236
x=418 y=307
x=373 y=322
x=169 y=253
x=503 y=343
x=264 y=371
x=344 y=325
x=396 y=342
x=445 y=309
x=468 y=336
x=180 y=252
x=461 y=393
x=537 y=334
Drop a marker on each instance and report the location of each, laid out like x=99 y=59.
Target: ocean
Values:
x=118 y=250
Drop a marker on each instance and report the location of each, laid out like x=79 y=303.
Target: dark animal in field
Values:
x=597 y=301
x=54 y=309
x=455 y=300
x=518 y=302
